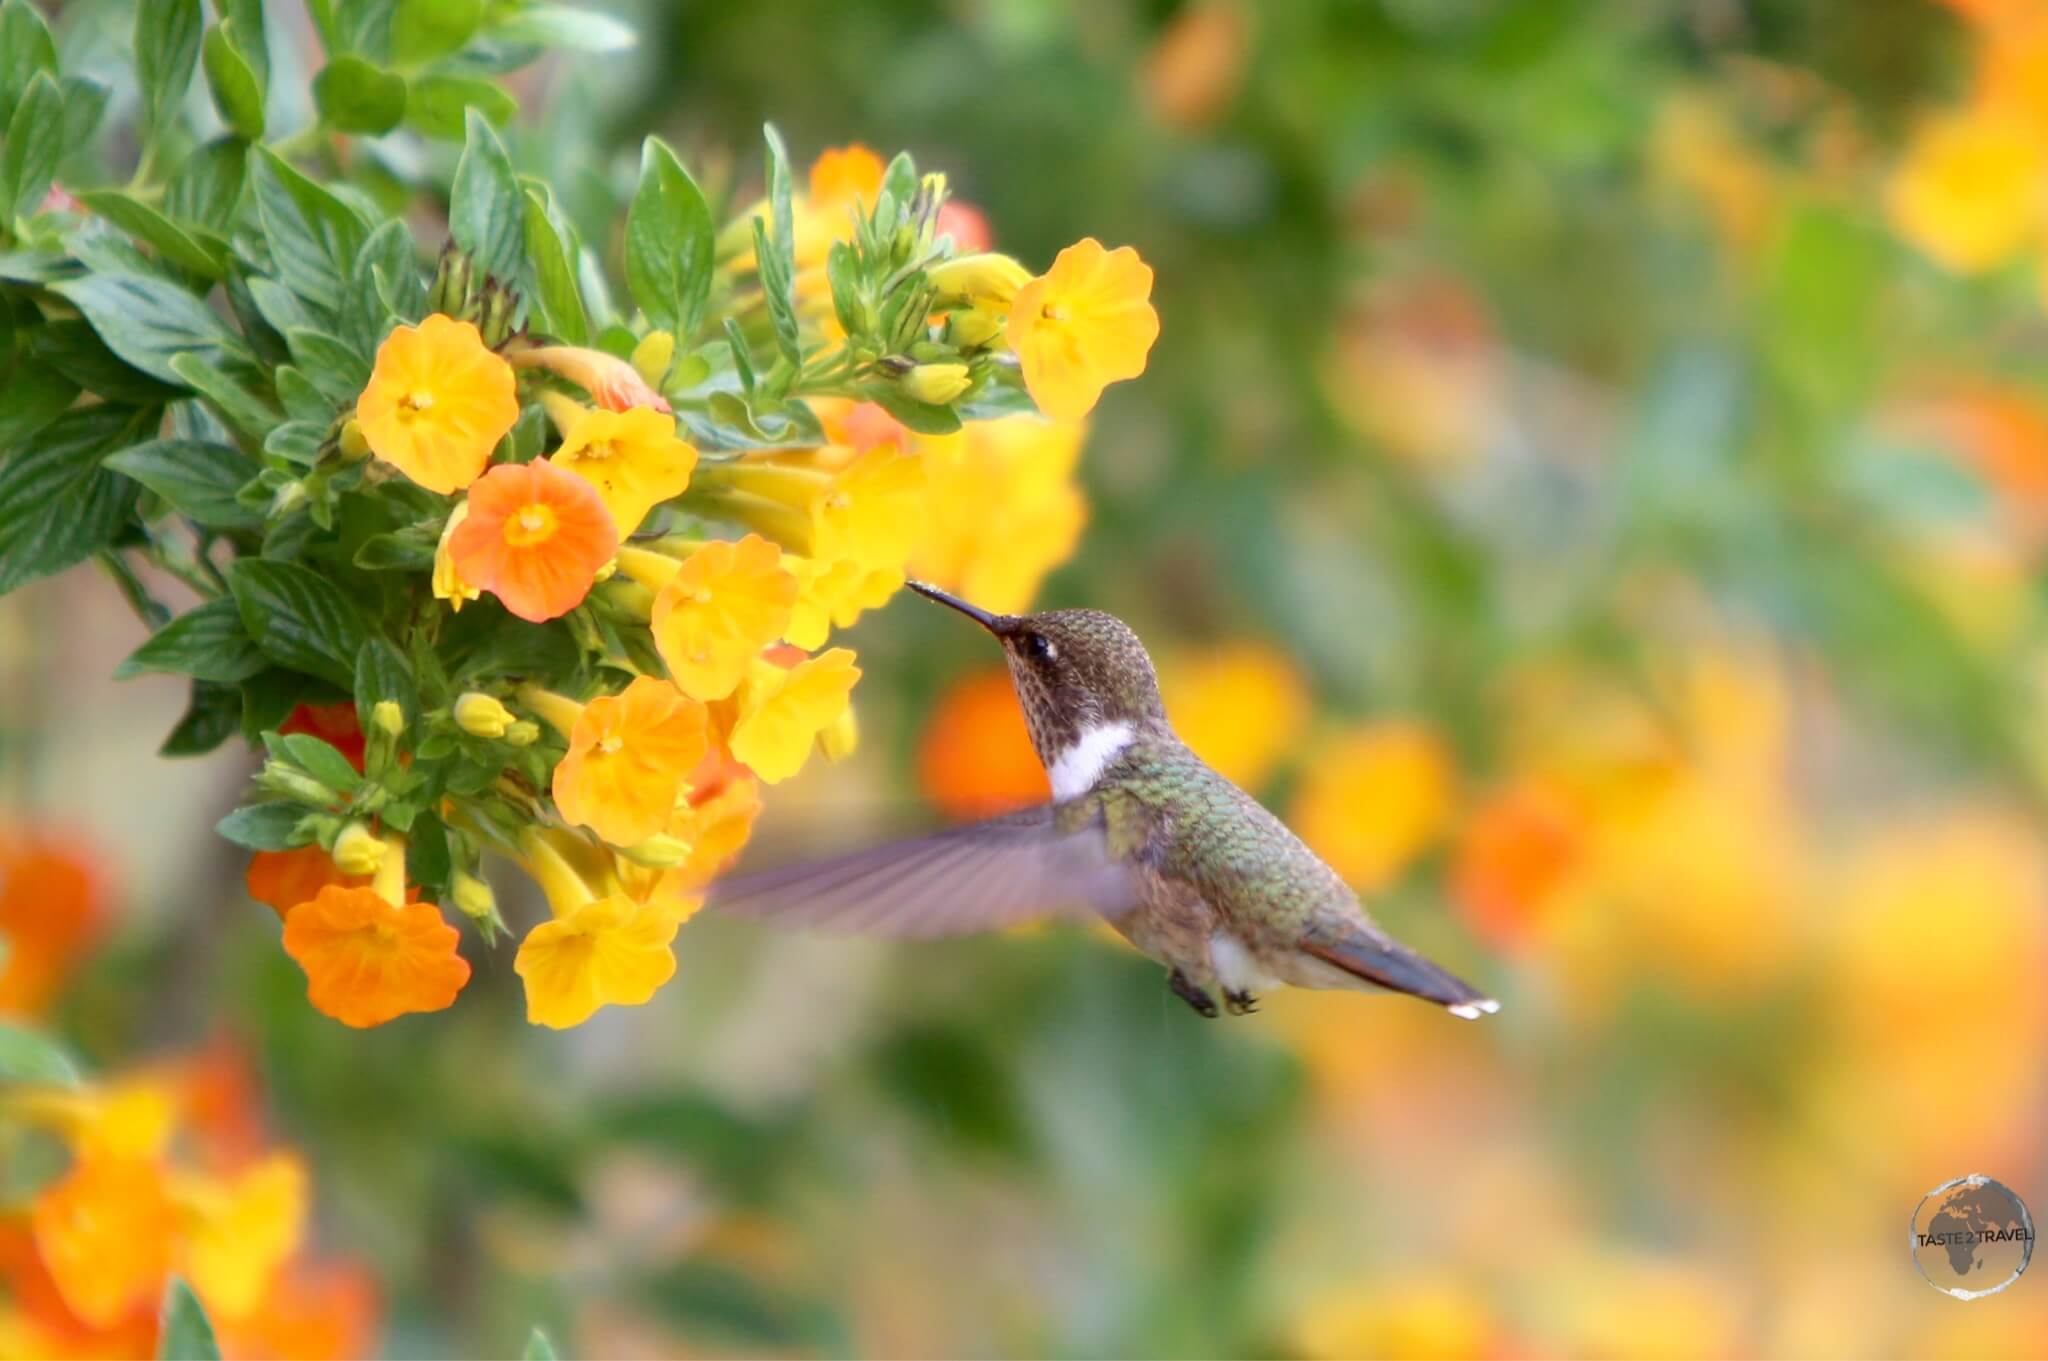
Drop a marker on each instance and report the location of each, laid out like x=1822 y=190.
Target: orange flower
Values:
x=628 y=757
x=713 y=616
x=106 y=1233
x=975 y=758
x=1517 y=849
x=613 y=383
x=282 y=880
x=52 y=903
x=334 y=724
x=437 y=403
x=842 y=174
x=1082 y=325
x=535 y=537
x=323 y=1312
x=368 y=960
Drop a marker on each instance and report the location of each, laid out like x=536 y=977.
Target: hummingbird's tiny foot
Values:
x=1240 y=1003
x=1195 y=997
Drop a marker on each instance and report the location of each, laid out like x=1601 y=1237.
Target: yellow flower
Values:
x=824 y=589
x=1241 y=707
x=628 y=756
x=1082 y=325
x=482 y=715
x=448 y=583
x=244 y=1229
x=935 y=384
x=1004 y=509
x=653 y=355
x=1969 y=192
x=105 y=1232
x=972 y=280
x=1374 y=798
x=782 y=714
x=633 y=458
x=872 y=515
x=721 y=606
x=608 y=952
x=437 y=403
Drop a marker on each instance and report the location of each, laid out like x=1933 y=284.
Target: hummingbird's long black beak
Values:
x=997 y=624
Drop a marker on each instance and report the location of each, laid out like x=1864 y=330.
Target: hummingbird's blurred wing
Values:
x=979 y=877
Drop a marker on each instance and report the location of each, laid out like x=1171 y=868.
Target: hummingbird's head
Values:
x=1079 y=674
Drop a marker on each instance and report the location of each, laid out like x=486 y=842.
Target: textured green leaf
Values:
x=32 y=395
x=29 y=1056
x=147 y=321
x=423 y=30
x=166 y=54
x=85 y=101
x=212 y=716
x=486 y=210
x=382 y=673
x=57 y=505
x=184 y=1333
x=236 y=403
x=200 y=252
x=198 y=479
x=237 y=89
x=35 y=142
x=777 y=264
x=316 y=757
x=299 y=617
x=553 y=275
x=208 y=186
x=355 y=96
x=669 y=242
x=580 y=30
x=438 y=104
x=208 y=643
x=333 y=366
x=74 y=349
x=385 y=285
x=26 y=48
x=313 y=235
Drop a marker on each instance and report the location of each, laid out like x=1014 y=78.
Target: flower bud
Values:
x=658 y=852
x=473 y=897
x=974 y=327
x=935 y=384
x=289 y=498
x=985 y=277
x=448 y=583
x=482 y=715
x=612 y=382
x=524 y=733
x=653 y=355
x=355 y=446
x=388 y=717
x=357 y=850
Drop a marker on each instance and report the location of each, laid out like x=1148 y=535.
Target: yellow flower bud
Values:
x=652 y=356
x=936 y=384
x=357 y=850
x=658 y=852
x=841 y=737
x=482 y=715
x=473 y=897
x=355 y=446
x=974 y=327
x=985 y=277
x=448 y=583
x=524 y=733
x=388 y=717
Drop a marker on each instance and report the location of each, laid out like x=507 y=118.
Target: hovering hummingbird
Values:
x=1141 y=832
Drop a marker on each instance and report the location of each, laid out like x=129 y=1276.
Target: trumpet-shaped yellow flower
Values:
x=608 y=952
x=243 y=1229
x=1084 y=324
x=1004 y=508
x=105 y=1232
x=437 y=403
x=448 y=583
x=725 y=603
x=628 y=757
x=717 y=824
x=1375 y=798
x=982 y=278
x=1969 y=190
x=633 y=458
x=782 y=713
x=824 y=590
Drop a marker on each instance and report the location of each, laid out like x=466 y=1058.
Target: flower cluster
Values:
x=492 y=566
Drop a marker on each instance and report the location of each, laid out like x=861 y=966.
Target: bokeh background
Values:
x=1593 y=481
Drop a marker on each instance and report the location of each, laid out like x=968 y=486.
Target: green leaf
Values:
x=382 y=673
x=184 y=1334
x=299 y=617
x=263 y=826
x=355 y=96
x=31 y=1057
x=779 y=282
x=74 y=349
x=668 y=243
x=33 y=395
x=147 y=321
x=211 y=717
x=538 y=1347
x=403 y=550
x=922 y=417
x=35 y=141
x=237 y=405
x=166 y=54
x=26 y=48
x=313 y=235
x=486 y=210
x=554 y=275
x=208 y=186
x=384 y=285
x=423 y=30
x=207 y=643
x=438 y=104
x=204 y=254
x=200 y=480
x=316 y=757
x=250 y=34
x=333 y=366
x=57 y=505
x=237 y=89
x=580 y=30
x=84 y=102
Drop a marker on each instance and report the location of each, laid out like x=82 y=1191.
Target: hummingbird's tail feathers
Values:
x=1389 y=964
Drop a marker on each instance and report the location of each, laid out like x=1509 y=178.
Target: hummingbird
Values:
x=1140 y=832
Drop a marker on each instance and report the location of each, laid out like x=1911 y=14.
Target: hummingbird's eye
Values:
x=1039 y=646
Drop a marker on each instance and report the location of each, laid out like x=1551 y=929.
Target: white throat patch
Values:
x=1082 y=764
